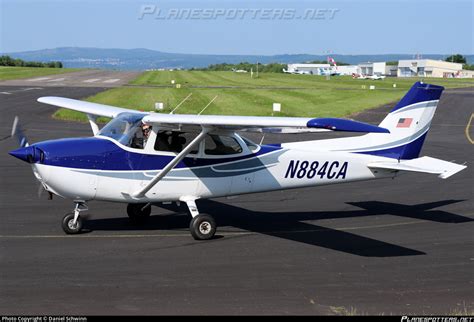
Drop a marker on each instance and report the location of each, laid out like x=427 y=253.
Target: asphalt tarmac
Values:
x=402 y=246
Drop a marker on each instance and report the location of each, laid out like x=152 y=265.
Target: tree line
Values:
x=458 y=58
x=264 y=68
x=8 y=61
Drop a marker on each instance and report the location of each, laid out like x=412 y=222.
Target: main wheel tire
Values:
x=202 y=227
x=68 y=224
x=135 y=212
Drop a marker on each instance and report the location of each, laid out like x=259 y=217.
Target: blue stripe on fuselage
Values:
x=103 y=154
x=404 y=152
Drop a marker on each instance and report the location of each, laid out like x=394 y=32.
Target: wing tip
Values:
x=48 y=99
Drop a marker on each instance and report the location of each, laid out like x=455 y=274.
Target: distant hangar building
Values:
x=348 y=69
x=428 y=68
x=377 y=68
x=405 y=68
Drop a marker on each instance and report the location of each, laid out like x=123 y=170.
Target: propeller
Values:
x=40 y=190
x=17 y=133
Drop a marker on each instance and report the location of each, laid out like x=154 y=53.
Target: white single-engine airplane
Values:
x=190 y=157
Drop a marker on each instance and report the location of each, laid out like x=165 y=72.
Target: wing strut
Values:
x=93 y=122
x=172 y=164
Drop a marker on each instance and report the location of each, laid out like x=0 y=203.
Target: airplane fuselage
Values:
x=111 y=172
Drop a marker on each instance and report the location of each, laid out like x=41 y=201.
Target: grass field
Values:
x=238 y=94
x=7 y=73
x=203 y=78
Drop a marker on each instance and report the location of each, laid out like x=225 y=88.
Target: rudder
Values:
x=410 y=120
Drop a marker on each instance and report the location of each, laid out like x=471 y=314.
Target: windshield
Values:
x=123 y=128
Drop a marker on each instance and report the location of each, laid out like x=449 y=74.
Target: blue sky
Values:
x=342 y=27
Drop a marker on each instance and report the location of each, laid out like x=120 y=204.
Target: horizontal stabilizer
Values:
x=336 y=124
x=445 y=169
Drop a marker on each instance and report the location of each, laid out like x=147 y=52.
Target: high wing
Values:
x=262 y=123
x=85 y=107
x=226 y=122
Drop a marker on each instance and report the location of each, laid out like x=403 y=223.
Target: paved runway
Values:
x=83 y=78
x=379 y=247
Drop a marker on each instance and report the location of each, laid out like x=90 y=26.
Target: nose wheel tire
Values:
x=136 y=212
x=203 y=227
x=69 y=226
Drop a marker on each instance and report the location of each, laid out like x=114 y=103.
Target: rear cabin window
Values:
x=221 y=145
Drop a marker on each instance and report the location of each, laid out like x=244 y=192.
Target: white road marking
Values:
x=29 y=89
x=113 y=80
x=92 y=80
x=38 y=79
x=56 y=80
x=21 y=90
x=224 y=233
x=468 y=135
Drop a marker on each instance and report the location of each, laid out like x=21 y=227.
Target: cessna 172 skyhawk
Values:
x=190 y=157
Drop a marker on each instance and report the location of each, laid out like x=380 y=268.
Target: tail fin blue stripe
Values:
x=419 y=92
x=403 y=152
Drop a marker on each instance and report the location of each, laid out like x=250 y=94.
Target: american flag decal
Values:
x=404 y=122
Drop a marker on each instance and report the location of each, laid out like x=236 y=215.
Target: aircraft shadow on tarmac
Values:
x=289 y=225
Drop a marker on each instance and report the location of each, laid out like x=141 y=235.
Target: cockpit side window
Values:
x=162 y=142
x=221 y=145
x=174 y=141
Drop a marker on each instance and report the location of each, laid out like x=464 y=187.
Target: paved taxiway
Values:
x=387 y=246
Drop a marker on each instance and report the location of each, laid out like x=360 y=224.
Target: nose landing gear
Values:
x=72 y=222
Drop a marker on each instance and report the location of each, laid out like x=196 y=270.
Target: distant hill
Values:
x=141 y=59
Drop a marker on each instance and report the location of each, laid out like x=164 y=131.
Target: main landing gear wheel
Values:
x=138 y=211
x=202 y=227
x=69 y=226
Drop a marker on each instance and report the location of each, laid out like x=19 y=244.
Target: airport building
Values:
x=348 y=70
x=313 y=69
x=466 y=73
x=405 y=68
x=428 y=68
x=372 y=68
x=391 y=70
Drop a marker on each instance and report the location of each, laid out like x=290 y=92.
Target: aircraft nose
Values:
x=28 y=154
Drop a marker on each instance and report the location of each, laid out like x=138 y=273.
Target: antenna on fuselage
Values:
x=207 y=105
x=184 y=100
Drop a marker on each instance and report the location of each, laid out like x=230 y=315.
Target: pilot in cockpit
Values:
x=141 y=136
